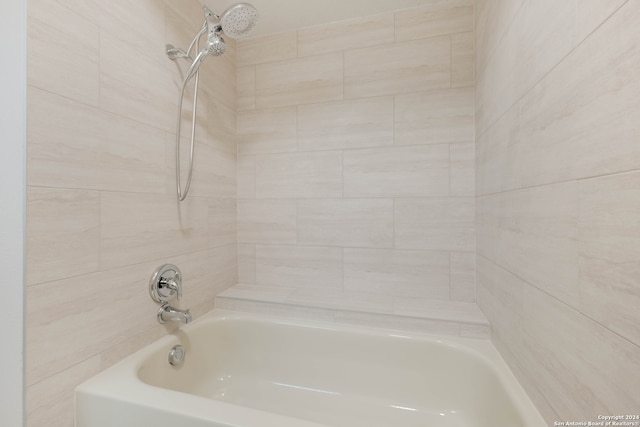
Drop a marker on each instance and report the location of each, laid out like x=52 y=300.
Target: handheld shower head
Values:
x=239 y=20
x=215 y=46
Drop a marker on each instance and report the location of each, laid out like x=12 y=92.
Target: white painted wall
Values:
x=12 y=208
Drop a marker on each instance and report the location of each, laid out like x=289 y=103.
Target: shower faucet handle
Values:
x=166 y=284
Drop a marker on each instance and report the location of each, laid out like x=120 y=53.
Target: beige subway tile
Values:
x=246 y=177
x=55 y=341
x=395 y=68
x=50 y=401
x=299 y=175
x=357 y=123
x=346 y=222
x=299 y=267
x=267 y=48
x=463 y=276
x=299 y=81
x=610 y=252
x=246 y=263
x=462 y=173
x=150 y=227
x=440 y=224
x=435 y=19
x=246 y=99
x=435 y=117
x=413 y=171
x=588 y=100
x=397 y=273
x=350 y=34
x=267 y=131
x=533 y=233
x=63 y=237
x=53 y=28
x=131 y=85
x=462 y=60
x=267 y=221
x=76 y=146
x=558 y=366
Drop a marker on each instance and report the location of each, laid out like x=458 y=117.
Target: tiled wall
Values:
x=355 y=156
x=102 y=212
x=558 y=185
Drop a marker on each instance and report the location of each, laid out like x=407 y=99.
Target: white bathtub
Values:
x=247 y=371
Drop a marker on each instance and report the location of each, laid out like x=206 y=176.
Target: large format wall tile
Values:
x=45 y=407
x=555 y=337
x=533 y=233
x=366 y=122
x=269 y=48
x=246 y=96
x=129 y=90
x=557 y=165
x=267 y=131
x=72 y=145
x=150 y=227
x=397 y=273
x=436 y=19
x=434 y=117
x=583 y=106
x=54 y=29
x=52 y=348
x=346 y=222
x=267 y=221
x=394 y=68
x=440 y=224
x=339 y=36
x=102 y=212
x=417 y=171
x=63 y=233
x=299 y=81
x=299 y=267
x=609 y=242
x=299 y=175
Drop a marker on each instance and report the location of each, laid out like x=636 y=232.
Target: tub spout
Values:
x=168 y=313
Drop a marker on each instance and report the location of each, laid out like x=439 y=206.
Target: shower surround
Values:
x=355 y=160
x=102 y=212
x=380 y=203
x=557 y=183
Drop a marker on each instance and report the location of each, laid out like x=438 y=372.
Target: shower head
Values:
x=216 y=46
x=239 y=20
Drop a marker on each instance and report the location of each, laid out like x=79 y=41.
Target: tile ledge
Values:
x=463 y=313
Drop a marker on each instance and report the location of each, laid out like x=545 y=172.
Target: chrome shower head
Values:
x=239 y=20
x=216 y=46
